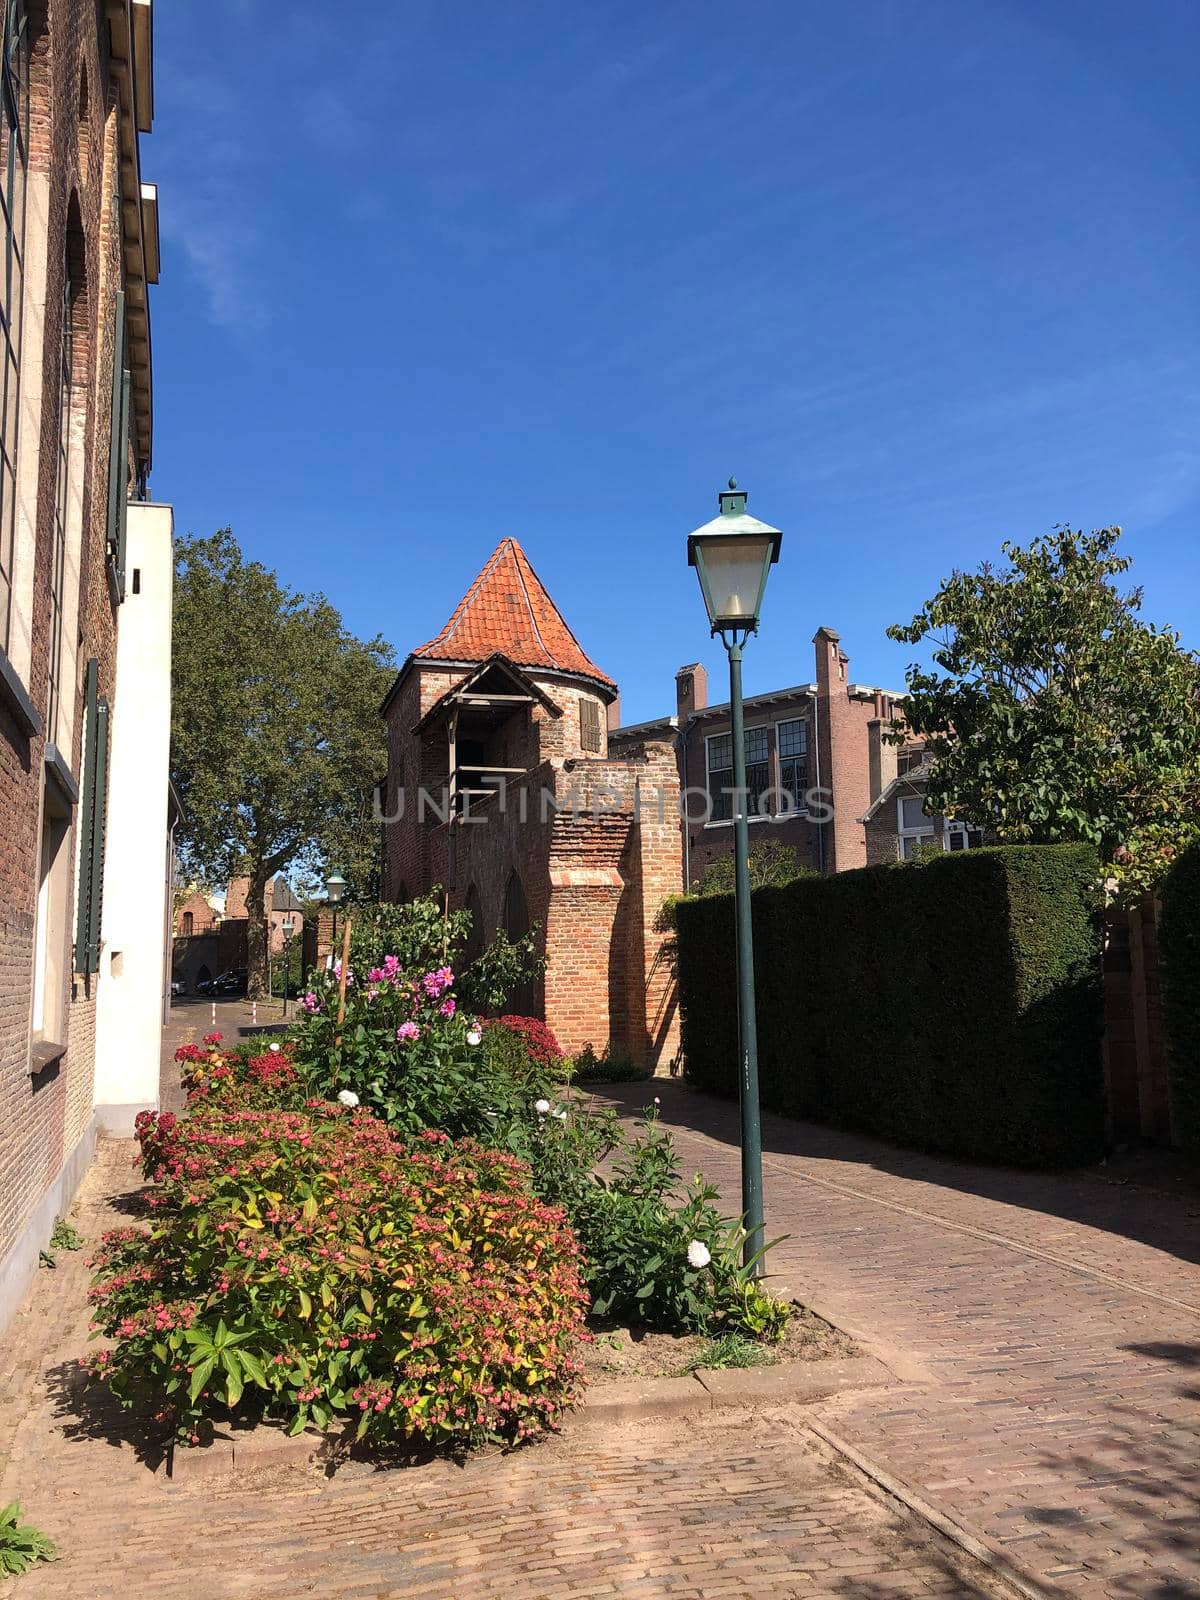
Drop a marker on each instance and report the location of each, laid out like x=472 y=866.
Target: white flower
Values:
x=347 y=1097
x=657 y=1101
x=541 y=1107
x=474 y=1036
x=699 y=1254
x=561 y=1114
x=274 y=1047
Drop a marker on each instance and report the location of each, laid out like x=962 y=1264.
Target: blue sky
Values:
x=922 y=273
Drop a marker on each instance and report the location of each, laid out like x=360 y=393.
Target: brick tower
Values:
x=500 y=789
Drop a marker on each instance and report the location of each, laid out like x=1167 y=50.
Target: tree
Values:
x=1053 y=712
x=276 y=737
x=772 y=864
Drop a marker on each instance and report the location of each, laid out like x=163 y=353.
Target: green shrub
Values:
x=658 y=1258
x=20 y=1544
x=614 y=1066
x=423 y=937
x=310 y=1265
x=953 y=1006
x=409 y=1052
x=1179 y=950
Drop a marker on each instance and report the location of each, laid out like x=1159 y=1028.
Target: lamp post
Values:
x=289 y=928
x=732 y=555
x=335 y=888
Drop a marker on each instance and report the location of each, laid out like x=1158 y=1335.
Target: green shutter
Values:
x=86 y=815
x=93 y=813
x=118 y=449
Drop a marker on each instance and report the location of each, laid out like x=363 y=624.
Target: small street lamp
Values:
x=289 y=928
x=335 y=888
x=732 y=556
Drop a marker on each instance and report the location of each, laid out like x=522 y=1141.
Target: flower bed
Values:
x=310 y=1264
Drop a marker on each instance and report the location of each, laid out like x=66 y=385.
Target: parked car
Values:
x=178 y=987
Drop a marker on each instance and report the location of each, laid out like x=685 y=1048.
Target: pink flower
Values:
x=447 y=1008
x=311 y=1003
x=436 y=983
x=407 y=1031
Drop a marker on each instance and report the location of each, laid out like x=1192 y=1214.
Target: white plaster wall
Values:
x=129 y=1007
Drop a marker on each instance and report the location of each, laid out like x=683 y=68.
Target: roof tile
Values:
x=507 y=611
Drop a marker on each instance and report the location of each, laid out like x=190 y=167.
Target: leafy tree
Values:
x=276 y=737
x=772 y=864
x=1053 y=711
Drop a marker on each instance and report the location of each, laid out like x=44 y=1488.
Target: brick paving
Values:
x=1049 y=1324
x=723 y=1505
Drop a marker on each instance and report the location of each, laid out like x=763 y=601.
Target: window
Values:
x=792 y=743
x=589 y=725
x=960 y=837
x=914 y=828
x=720 y=773
x=189 y=924
x=62 y=495
x=92 y=822
x=14 y=165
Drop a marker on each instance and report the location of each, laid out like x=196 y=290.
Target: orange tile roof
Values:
x=508 y=612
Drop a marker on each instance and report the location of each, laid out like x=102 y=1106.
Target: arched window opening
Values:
x=523 y=1000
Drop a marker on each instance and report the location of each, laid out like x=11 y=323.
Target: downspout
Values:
x=684 y=818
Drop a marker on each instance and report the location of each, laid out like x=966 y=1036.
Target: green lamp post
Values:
x=335 y=888
x=732 y=556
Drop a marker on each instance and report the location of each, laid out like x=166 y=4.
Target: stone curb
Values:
x=969 y=1540
x=639 y=1400
x=789 y=1383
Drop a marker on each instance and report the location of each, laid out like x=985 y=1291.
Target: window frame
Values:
x=724 y=800
x=14 y=194
x=930 y=833
x=799 y=801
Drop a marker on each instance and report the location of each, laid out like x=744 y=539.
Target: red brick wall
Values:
x=43 y=1118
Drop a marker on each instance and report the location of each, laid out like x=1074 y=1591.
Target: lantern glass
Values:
x=733 y=575
x=334 y=886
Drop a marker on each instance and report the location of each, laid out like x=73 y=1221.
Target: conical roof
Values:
x=508 y=612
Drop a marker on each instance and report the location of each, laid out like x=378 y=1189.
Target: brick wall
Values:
x=43 y=1117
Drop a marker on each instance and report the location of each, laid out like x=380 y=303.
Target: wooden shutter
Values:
x=589 y=725
x=118 y=449
x=93 y=816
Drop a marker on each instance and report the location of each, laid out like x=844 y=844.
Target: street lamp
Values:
x=289 y=928
x=732 y=555
x=335 y=888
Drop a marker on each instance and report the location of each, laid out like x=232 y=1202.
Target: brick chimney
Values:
x=882 y=755
x=614 y=714
x=691 y=691
x=842 y=742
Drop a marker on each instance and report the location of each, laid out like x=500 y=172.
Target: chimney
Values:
x=691 y=691
x=614 y=714
x=882 y=757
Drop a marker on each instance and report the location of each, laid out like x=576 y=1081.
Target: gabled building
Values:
x=501 y=789
x=816 y=757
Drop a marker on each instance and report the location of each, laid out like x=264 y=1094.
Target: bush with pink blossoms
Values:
x=412 y=1053
x=311 y=1266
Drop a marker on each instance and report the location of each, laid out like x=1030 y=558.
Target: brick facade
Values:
x=83 y=231
x=821 y=739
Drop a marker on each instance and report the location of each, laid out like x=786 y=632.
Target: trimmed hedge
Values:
x=953 y=1006
x=1179 y=957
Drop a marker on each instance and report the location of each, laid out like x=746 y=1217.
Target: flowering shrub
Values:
x=522 y=1047
x=650 y=1256
x=218 y=1078
x=410 y=1053
x=309 y=1264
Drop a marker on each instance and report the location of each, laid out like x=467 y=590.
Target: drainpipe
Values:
x=821 y=826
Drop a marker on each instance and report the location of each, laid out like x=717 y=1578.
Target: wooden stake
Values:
x=342 y=983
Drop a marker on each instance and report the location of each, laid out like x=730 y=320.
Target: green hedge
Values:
x=953 y=1006
x=1179 y=958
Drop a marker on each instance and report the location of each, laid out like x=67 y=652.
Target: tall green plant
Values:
x=1054 y=712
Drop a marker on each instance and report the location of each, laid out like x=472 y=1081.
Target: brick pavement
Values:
x=1054 y=1321
x=722 y=1505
